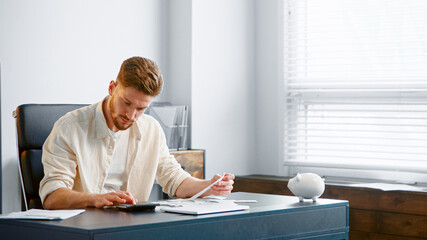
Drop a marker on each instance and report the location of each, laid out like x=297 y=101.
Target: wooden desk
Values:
x=272 y=216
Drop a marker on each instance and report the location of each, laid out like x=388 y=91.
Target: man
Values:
x=111 y=153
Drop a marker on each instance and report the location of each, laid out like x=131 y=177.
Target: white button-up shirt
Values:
x=77 y=155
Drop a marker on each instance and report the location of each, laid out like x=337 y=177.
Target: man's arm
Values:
x=64 y=198
x=191 y=186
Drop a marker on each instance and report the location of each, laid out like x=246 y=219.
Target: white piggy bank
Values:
x=307 y=185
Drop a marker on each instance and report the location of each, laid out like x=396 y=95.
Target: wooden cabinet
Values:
x=193 y=161
x=374 y=214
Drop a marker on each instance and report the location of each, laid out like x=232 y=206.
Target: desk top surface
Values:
x=100 y=219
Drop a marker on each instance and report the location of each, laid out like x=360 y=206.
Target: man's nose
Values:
x=131 y=114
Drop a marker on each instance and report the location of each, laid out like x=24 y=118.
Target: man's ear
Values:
x=111 y=87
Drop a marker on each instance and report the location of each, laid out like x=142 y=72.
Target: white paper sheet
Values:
x=201 y=206
x=42 y=214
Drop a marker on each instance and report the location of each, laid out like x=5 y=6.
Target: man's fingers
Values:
x=103 y=202
x=130 y=199
x=216 y=177
x=229 y=176
x=224 y=183
x=221 y=192
x=117 y=199
x=223 y=188
x=113 y=198
x=126 y=196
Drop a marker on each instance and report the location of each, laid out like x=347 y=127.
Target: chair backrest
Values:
x=34 y=123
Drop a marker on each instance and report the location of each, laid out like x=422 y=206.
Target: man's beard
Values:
x=116 y=118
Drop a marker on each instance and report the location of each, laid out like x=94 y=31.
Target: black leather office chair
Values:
x=34 y=122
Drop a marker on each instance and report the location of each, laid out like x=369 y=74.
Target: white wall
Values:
x=179 y=58
x=67 y=52
x=223 y=84
x=179 y=46
x=237 y=87
x=269 y=88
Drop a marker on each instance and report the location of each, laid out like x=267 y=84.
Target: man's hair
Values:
x=142 y=74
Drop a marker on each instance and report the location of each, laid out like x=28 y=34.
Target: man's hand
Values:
x=64 y=198
x=191 y=186
x=223 y=187
x=112 y=199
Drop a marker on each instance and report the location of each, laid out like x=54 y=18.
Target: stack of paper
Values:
x=42 y=214
x=200 y=206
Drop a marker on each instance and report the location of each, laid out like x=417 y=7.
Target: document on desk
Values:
x=200 y=206
x=40 y=214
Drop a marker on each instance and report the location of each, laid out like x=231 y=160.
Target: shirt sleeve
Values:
x=169 y=172
x=59 y=161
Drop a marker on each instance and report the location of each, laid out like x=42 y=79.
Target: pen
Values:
x=206 y=189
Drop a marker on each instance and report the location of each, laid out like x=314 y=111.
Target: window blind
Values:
x=356 y=84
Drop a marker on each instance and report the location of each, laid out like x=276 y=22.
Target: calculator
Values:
x=138 y=207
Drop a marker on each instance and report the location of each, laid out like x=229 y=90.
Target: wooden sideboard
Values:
x=374 y=214
x=193 y=161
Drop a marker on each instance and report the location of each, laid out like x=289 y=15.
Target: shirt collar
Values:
x=100 y=122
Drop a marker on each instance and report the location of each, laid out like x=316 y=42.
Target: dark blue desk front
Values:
x=272 y=216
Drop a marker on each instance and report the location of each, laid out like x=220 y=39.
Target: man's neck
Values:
x=107 y=114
